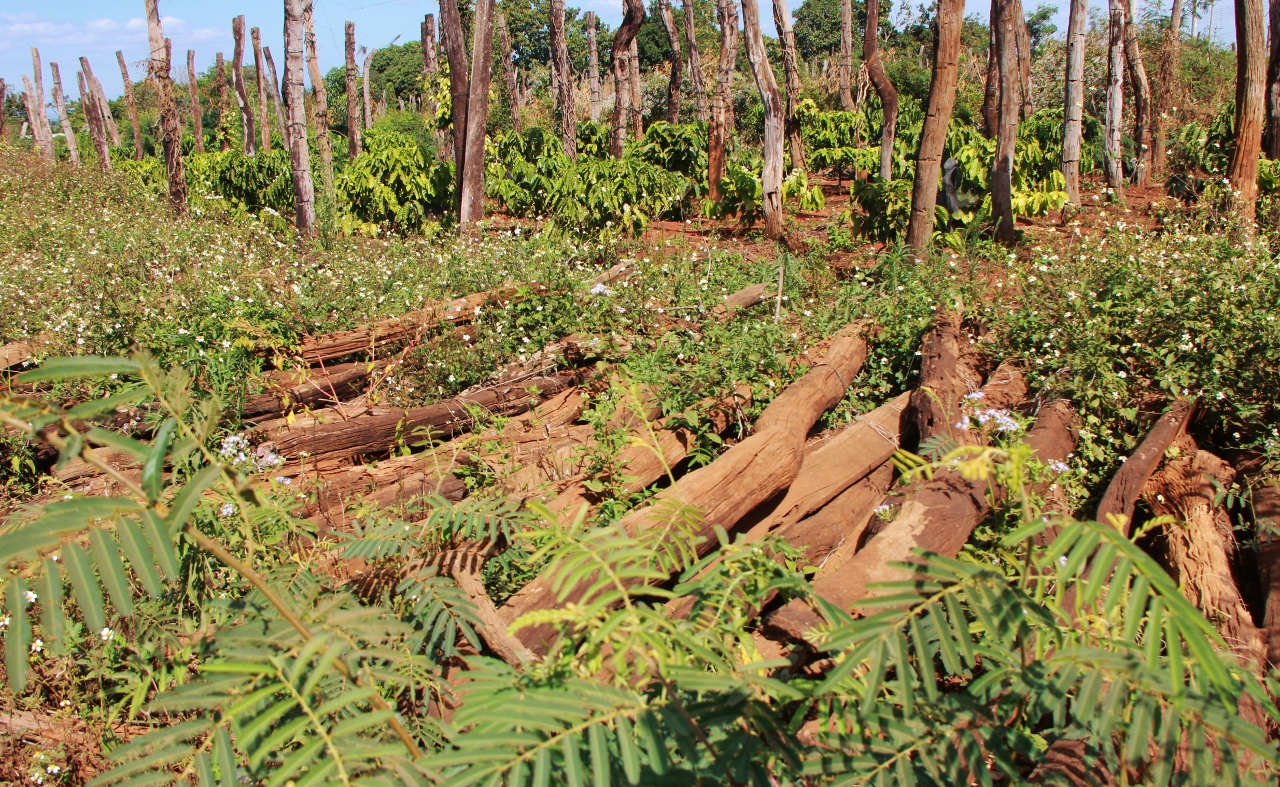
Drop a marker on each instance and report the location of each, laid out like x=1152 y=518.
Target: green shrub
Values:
x=248 y=183
x=391 y=184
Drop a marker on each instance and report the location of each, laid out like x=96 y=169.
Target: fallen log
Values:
x=15 y=353
x=742 y=299
x=287 y=390
x=335 y=434
x=1129 y=481
x=937 y=516
x=1266 y=517
x=394 y=481
x=842 y=522
x=735 y=483
x=935 y=404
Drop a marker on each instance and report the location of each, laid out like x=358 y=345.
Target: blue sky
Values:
x=64 y=30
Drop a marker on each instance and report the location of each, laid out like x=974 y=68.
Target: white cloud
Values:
x=102 y=26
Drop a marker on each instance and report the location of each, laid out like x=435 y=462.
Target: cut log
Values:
x=935 y=405
x=842 y=522
x=744 y=298
x=1128 y=482
x=391 y=482
x=295 y=390
x=730 y=487
x=937 y=516
x=15 y=353
x=1266 y=516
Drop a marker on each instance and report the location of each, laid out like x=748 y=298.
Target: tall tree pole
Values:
x=991 y=88
x=64 y=119
x=593 y=67
x=1141 y=98
x=431 y=70
x=791 y=71
x=1073 y=98
x=197 y=121
x=1271 y=135
x=509 y=70
x=3 y=91
x=1024 y=60
x=722 y=101
x=884 y=87
x=632 y=18
x=34 y=108
x=565 y=100
x=472 y=203
x=367 y=87
x=1010 y=109
x=846 y=55
x=296 y=131
x=41 y=118
x=766 y=84
x=353 y=103
x=455 y=50
x=677 y=61
x=260 y=81
x=100 y=97
x=320 y=106
x=695 y=63
x=220 y=86
x=1115 y=96
x=1251 y=67
x=273 y=90
x=130 y=105
x=242 y=95
x=170 y=125
x=933 y=137
x=637 y=92
x=93 y=115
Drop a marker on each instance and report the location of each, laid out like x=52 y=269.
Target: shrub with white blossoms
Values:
x=237 y=452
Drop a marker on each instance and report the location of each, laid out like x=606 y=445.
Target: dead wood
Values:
x=1128 y=482
x=744 y=298
x=1071 y=763
x=466 y=568
x=15 y=353
x=298 y=389
x=329 y=489
x=935 y=404
x=842 y=522
x=739 y=480
x=1266 y=516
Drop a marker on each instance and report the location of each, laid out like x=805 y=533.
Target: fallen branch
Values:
x=288 y=390
x=1266 y=517
x=1129 y=481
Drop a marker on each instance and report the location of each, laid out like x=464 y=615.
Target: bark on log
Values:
x=455 y=51
x=791 y=71
x=304 y=191
x=933 y=137
x=1167 y=82
x=100 y=97
x=695 y=62
x=130 y=105
x=274 y=92
x=1141 y=99
x=170 y=124
x=632 y=18
x=935 y=404
x=991 y=88
x=593 y=68
x=677 y=61
x=567 y=113
x=842 y=522
x=471 y=210
x=884 y=87
x=242 y=95
x=391 y=482
x=1027 y=107
x=771 y=175
x=938 y=516
x=509 y=69
x=366 y=88
x=1007 y=138
x=735 y=483
x=467 y=570
x=1128 y=482
x=64 y=120
x=42 y=114
x=94 y=118
x=320 y=107
x=1112 y=154
x=193 y=89
x=288 y=390
x=1266 y=517
x=1251 y=64
x=637 y=92
x=353 y=101
x=846 y=56
x=260 y=82
x=220 y=84
x=1073 y=98
x=722 y=101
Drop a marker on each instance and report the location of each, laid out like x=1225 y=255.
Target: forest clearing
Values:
x=691 y=402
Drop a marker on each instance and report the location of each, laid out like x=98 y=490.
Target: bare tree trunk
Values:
x=170 y=125
x=260 y=81
x=1115 y=97
x=33 y=108
x=632 y=18
x=197 y=121
x=846 y=56
x=509 y=68
x=677 y=61
x=721 y=102
x=353 y=103
x=221 y=86
x=1010 y=107
x=1141 y=100
x=1073 y=98
x=1271 y=135
x=104 y=108
x=3 y=92
x=933 y=137
x=884 y=88
x=637 y=92
x=1251 y=65
x=472 y=206
x=695 y=62
x=40 y=120
x=1024 y=61
x=564 y=101
x=771 y=176
x=304 y=193
x=593 y=67
x=1167 y=91
x=791 y=70
x=130 y=105
x=320 y=108
x=273 y=91
x=729 y=8
x=991 y=89
x=94 y=117
x=456 y=51
x=368 y=96
x=64 y=120
x=242 y=95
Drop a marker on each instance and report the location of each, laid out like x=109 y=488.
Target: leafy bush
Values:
x=885 y=208
x=676 y=147
x=593 y=139
x=741 y=195
x=392 y=184
x=248 y=183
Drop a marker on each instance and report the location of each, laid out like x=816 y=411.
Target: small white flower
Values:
x=64 y=704
x=37 y=646
x=30 y=597
x=963 y=425
x=1122 y=374
x=1059 y=467
x=227 y=509
x=4 y=622
x=106 y=634
x=600 y=289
